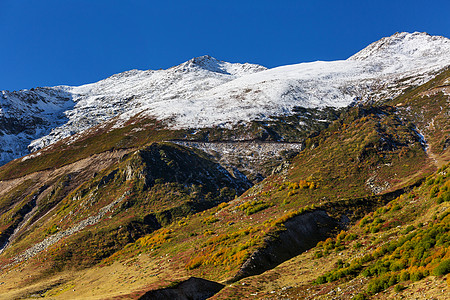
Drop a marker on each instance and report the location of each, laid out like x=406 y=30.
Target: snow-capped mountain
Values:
x=205 y=92
x=383 y=69
x=33 y=119
x=130 y=91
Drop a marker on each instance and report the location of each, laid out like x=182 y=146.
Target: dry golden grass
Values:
x=127 y=279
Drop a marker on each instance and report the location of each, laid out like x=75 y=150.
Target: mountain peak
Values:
x=204 y=59
x=211 y=64
x=208 y=63
x=403 y=44
x=206 y=92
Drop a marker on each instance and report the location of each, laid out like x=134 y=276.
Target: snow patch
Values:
x=33 y=155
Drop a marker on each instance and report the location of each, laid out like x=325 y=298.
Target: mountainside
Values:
x=28 y=115
x=205 y=92
x=51 y=114
x=323 y=180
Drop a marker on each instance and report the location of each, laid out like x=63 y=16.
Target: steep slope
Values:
x=131 y=207
x=205 y=92
x=47 y=115
x=399 y=251
x=134 y=223
x=73 y=217
x=427 y=107
x=28 y=115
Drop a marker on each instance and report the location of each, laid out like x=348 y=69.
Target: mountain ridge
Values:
x=206 y=92
x=137 y=204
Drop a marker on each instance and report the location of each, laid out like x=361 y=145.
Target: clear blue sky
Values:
x=51 y=42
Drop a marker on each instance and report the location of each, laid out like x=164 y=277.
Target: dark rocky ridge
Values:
x=191 y=289
x=302 y=233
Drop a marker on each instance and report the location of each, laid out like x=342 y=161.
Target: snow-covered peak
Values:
x=132 y=90
x=382 y=70
x=206 y=92
x=211 y=64
x=27 y=115
x=405 y=46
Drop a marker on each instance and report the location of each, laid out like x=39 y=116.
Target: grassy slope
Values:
x=214 y=244
x=400 y=249
x=407 y=213
x=154 y=186
x=427 y=107
x=135 y=133
x=142 y=130
x=373 y=147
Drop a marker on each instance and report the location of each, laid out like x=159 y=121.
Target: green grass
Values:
x=411 y=253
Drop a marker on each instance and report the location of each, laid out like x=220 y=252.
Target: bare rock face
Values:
x=171 y=163
x=191 y=289
x=247 y=158
x=302 y=232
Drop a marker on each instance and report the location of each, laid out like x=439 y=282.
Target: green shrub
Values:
x=360 y=296
x=444 y=197
x=365 y=221
x=434 y=191
x=351 y=237
x=318 y=254
x=398 y=288
x=393 y=280
x=408 y=229
x=404 y=275
x=357 y=245
x=53 y=229
x=396 y=207
x=443 y=268
x=416 y=275
x=377 y=285
x=321 y=280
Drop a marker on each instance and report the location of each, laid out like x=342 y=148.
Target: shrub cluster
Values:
x=337 y=244
x=227 y=249
x=254 y=206
x=209 y=220
x=376 y=221
x=421 y=252
x=301 y=184
x=417 y=252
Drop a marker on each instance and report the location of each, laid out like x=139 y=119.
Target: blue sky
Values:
x=73 y=42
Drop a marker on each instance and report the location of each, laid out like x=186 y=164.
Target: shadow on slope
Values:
x=193 y=289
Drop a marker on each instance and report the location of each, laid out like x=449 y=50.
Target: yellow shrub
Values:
x=155 y=239
x=222 y=205
x=209 y=220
